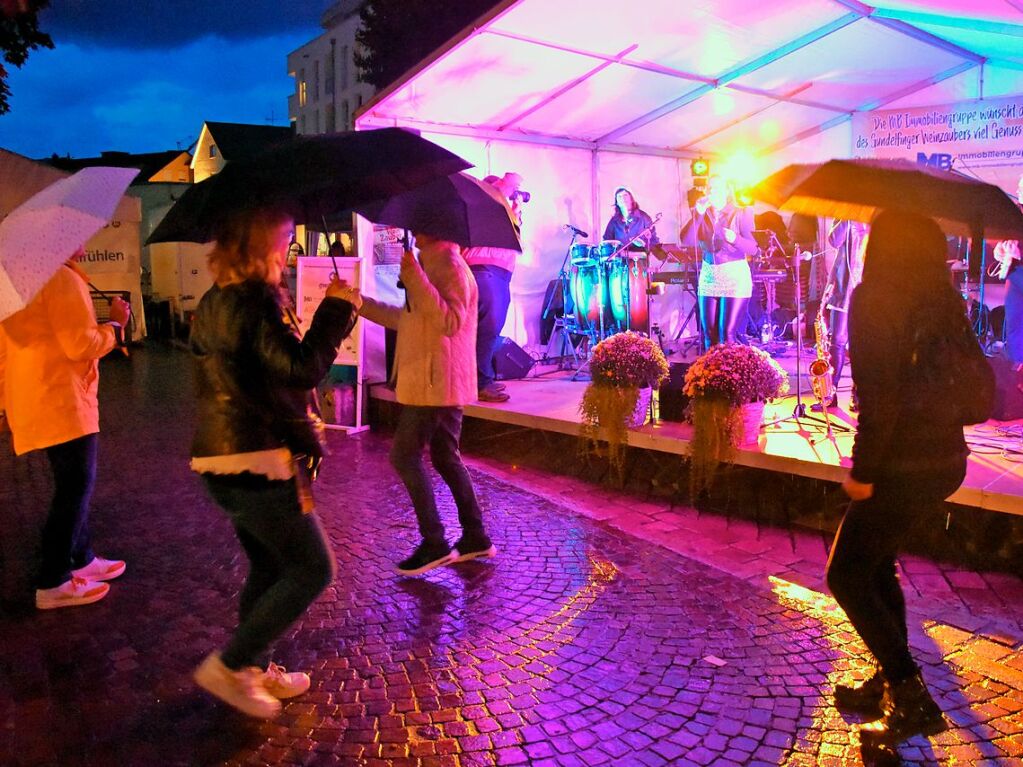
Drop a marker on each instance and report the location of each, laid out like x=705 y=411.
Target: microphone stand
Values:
x=800 y=409
x=566 y=339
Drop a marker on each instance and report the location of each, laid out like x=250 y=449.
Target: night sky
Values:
x=143 y=75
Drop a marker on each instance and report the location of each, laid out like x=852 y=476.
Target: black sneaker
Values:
x=864 y=698
x=426 y=557
x=909 y=710
x=474 y=547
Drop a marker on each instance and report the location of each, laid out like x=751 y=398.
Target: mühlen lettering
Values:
x=96 y=256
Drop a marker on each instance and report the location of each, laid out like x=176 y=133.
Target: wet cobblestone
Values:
x=579 y=645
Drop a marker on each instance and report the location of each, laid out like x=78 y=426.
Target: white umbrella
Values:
x=48 y=228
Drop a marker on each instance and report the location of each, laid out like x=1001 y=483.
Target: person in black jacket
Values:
x=908 y=456
x=257 y=446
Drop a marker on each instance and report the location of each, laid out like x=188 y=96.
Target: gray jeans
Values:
x=440 y=428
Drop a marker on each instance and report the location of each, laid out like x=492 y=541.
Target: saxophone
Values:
x=821 y=372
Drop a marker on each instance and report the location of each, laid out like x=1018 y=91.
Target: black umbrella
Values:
x=309 y=177
x=458 y=208
x=858 y=189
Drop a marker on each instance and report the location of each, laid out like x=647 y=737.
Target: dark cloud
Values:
x=161 y=24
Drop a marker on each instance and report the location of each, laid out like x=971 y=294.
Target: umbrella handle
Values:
x=326 y=233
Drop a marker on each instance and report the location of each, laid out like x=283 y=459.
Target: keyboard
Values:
x=770 y=275
x=674 y=278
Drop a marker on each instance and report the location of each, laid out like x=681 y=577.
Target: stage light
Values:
x=699 y=168
x=741 y=168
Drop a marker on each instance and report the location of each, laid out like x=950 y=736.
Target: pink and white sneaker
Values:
x=282 y=683
x=71 y=593
x=100 y=569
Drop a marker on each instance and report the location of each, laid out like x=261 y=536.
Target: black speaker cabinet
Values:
x=512 y=361
x=1008 y=391
x=672 y=402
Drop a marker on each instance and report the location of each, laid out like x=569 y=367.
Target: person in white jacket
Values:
x=435 y=376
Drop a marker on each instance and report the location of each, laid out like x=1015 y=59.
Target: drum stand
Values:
x=584 y=368
x=696 y=340
x=561 y=333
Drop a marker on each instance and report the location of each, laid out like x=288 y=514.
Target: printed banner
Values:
x=982 y=138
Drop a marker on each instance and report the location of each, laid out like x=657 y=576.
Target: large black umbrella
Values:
x=858 y=189
x=458 y=208
x=309 y=177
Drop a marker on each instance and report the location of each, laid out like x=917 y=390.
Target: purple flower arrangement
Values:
x=737 y=373
x=628 y=359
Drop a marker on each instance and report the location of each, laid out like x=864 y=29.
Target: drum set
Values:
x=604 y=290
x=608 y=290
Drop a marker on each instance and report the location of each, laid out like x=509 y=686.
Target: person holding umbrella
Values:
x=435 y=366
x=49 y=387
x=257 y=445
x=50 y=345
x=909 y=455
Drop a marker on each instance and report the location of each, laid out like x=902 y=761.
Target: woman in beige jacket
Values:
x=49 y=384
x=435 y=375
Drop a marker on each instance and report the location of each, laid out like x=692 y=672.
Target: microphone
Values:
x=575 y=230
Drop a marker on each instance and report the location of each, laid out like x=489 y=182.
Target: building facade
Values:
x=327 y=89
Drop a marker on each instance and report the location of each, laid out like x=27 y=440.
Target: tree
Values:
x=19 y=34
x=397 y=34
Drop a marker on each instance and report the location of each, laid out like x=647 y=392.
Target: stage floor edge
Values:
x=803 y=448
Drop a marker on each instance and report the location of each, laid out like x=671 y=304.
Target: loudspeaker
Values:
x=511 y=360
x=555 y=299
x=671 y=401
x=1008 y=391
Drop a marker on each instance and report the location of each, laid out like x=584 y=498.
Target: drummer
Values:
x=628 y=222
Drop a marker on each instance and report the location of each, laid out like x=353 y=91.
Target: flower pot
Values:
x=752 y=419
x=642 y=411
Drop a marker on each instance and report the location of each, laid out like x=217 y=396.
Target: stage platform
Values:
x=550 y=402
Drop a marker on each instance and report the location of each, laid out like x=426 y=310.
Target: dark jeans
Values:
x=861 y=570
x=440 y=428
x=839 y=328
x=721 y=319
x=66 y=542
x=1014 y=315
x=290 y=562
x=494 y=284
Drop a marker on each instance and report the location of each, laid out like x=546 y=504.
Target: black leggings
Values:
x=861 y=569
x=719 y=318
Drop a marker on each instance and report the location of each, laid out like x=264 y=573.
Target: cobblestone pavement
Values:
x=583 y=644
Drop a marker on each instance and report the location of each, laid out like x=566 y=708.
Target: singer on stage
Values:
x=723 y=233
x=628 y=221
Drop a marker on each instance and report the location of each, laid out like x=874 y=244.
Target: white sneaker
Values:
x=100 y=569
x=77 y=591
x=242 y=689
x=281 y=683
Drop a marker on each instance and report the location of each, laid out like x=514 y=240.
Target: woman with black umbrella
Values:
x=257 y=446
x=909 y=455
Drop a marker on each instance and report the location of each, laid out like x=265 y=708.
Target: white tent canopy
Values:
x=580 y=96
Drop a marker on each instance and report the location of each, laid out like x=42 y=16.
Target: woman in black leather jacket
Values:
x=257 y=444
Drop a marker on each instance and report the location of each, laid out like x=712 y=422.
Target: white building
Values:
x=327 y=90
